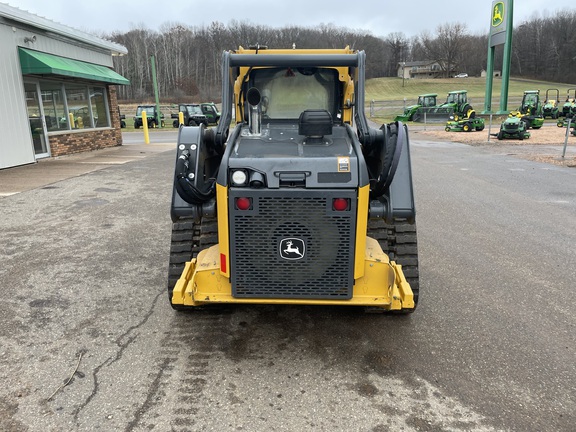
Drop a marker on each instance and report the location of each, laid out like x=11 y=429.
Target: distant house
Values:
x=421 y=69
x=496 y=73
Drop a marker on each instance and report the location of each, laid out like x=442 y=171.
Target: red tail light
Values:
x=340 y=204
x=243 y=203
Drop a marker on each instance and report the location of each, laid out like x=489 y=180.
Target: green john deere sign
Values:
x=501 y=25
x=498 y=14
x=499 y=21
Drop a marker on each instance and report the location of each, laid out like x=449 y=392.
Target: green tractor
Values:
x=410 y=112
x=568 y=104
x=464 y=125
x=456 y=107
x=530 y=112
x=551 y=105
x=457 y=101
x=513 y=128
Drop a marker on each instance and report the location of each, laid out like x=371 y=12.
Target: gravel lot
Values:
x=544 y=145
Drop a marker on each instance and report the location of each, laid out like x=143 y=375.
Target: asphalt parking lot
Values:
x=89 y=342
x=51 y=170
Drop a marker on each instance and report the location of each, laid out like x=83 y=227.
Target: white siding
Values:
x=15 y=136
x=16 y=146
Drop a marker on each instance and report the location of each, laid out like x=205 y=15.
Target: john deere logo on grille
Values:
x=498 y=14
x=292 y=248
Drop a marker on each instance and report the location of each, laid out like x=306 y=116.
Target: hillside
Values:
x=387 y=97
x=393 y=89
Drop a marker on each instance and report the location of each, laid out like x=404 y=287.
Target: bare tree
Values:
x=446 y=47
x=188 y=58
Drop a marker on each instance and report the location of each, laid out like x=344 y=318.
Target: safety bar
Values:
x=303 y=60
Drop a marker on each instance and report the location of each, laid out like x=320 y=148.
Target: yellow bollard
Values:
x=71 y=118
x=145 y=126
x=181 y=118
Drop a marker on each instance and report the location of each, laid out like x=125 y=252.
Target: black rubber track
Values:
x=399 y=241
x=188 y=238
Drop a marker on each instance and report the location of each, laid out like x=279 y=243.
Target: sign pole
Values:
x=501 y=29
x=507 y=59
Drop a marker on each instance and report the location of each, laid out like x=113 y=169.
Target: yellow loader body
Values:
x=383 y=284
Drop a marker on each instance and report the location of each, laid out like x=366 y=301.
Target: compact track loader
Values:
x=293 y=198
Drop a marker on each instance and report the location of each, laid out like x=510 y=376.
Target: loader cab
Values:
x=459 y=98
x=286 y=92
x=428 y=100
x=531 y=103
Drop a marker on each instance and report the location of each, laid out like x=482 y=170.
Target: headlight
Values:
x=239 y=177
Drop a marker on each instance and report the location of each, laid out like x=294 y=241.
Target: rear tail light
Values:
x=243 y=203
x=340 y=204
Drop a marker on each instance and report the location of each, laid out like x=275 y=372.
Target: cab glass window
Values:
x=286 y=92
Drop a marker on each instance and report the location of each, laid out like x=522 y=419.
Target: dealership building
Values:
x=57 y=87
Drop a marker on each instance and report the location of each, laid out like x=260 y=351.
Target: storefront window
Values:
x=73 y=106
x=54 y=109
x=78 y=107
x=98 y=105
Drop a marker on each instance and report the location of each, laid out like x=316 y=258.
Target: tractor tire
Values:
x=447 y=129
x=399 y=241
x=136 y=125
x=500 y=135
x=152 y=124
x=416 y=117
x=466 y=127
x=521 y=136
x=480 y=128
x=188 y=239
x=192 y=123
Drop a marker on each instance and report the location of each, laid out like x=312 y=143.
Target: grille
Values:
x=262 y=268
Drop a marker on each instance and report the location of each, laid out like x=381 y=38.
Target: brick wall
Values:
x=90 y=139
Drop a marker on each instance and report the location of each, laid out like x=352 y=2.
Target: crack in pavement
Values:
x=111 y=360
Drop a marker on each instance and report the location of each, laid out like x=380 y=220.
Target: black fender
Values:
x=195 y=172
x=391 y=186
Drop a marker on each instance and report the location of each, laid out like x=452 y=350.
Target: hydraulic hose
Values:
x=185 y=186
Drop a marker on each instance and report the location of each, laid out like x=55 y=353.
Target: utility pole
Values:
x=155 y=85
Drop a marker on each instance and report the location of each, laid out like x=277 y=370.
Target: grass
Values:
x=393 y=89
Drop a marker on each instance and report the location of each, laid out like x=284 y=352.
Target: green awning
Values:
x=38 y=63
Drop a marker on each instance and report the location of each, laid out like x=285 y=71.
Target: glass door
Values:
x=36 y=120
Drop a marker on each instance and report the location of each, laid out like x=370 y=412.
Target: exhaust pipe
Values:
x=253 y=98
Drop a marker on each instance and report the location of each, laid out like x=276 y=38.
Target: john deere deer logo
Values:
x=498 y=14
x=292 y=249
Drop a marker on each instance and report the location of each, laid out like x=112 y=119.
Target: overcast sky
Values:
x=379 y=17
